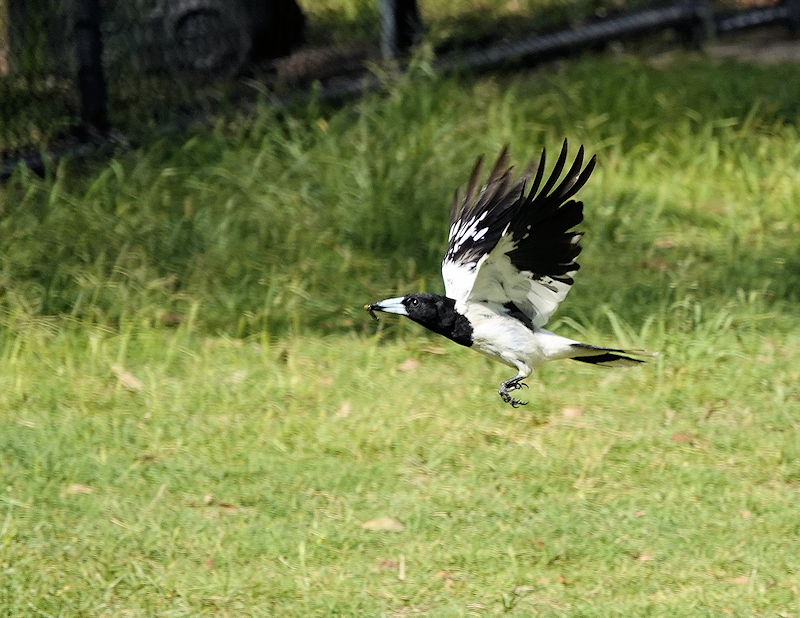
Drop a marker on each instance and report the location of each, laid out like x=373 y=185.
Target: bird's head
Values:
x=430 y=310
x=434 y=311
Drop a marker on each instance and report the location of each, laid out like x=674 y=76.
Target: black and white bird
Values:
x=510 y=261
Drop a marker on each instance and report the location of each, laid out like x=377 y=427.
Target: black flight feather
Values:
x=539 y=221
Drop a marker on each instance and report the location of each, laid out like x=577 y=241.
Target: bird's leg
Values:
x=512 y=385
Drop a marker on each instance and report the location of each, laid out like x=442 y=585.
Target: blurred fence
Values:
x=77 y=75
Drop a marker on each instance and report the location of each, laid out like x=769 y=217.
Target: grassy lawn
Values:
x=198 y=418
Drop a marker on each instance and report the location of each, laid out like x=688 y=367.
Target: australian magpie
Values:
x=509 y=263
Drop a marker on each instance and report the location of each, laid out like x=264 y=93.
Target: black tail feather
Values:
x=608 y=359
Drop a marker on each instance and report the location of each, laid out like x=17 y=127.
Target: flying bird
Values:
x=510 y=261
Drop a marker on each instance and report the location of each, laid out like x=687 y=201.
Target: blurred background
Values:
x=354 y=116
x=72 y=71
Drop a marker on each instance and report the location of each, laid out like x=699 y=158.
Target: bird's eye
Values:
x=414 y=302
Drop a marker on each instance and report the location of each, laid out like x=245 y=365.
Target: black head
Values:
x=434 y=311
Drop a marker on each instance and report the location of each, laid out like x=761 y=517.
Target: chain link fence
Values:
x=76 y=75
x=70 y=70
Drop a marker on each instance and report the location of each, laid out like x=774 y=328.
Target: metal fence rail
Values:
x=80 y=75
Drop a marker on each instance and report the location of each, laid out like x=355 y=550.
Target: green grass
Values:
x=344 y=21
x=292 y=220
x=672 y=493
x=197 y=417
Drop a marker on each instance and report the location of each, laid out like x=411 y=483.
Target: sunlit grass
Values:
x=166 y=472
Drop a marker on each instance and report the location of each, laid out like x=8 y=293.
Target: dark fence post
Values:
x=91 y=81
x=400 y=26
x=5 y=38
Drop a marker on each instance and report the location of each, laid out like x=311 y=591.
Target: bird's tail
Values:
x=608 y=357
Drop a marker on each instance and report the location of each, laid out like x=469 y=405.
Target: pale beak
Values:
x=390 y=305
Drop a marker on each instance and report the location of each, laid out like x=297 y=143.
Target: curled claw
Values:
x=512 y=385
x=516 y=386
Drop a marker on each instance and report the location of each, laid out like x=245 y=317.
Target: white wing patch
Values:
x=459 y=276
x=512 y=250
x=462 y=231
x=458 y=279
x=494 y=279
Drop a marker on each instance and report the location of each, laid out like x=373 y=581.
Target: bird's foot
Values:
x=512 y=385
x=515 y=403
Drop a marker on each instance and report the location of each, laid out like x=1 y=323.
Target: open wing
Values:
x=506 y=246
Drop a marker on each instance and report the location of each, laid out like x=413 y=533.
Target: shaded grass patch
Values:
x=294 y=220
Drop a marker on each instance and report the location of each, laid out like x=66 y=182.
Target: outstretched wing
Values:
x=512 y=248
